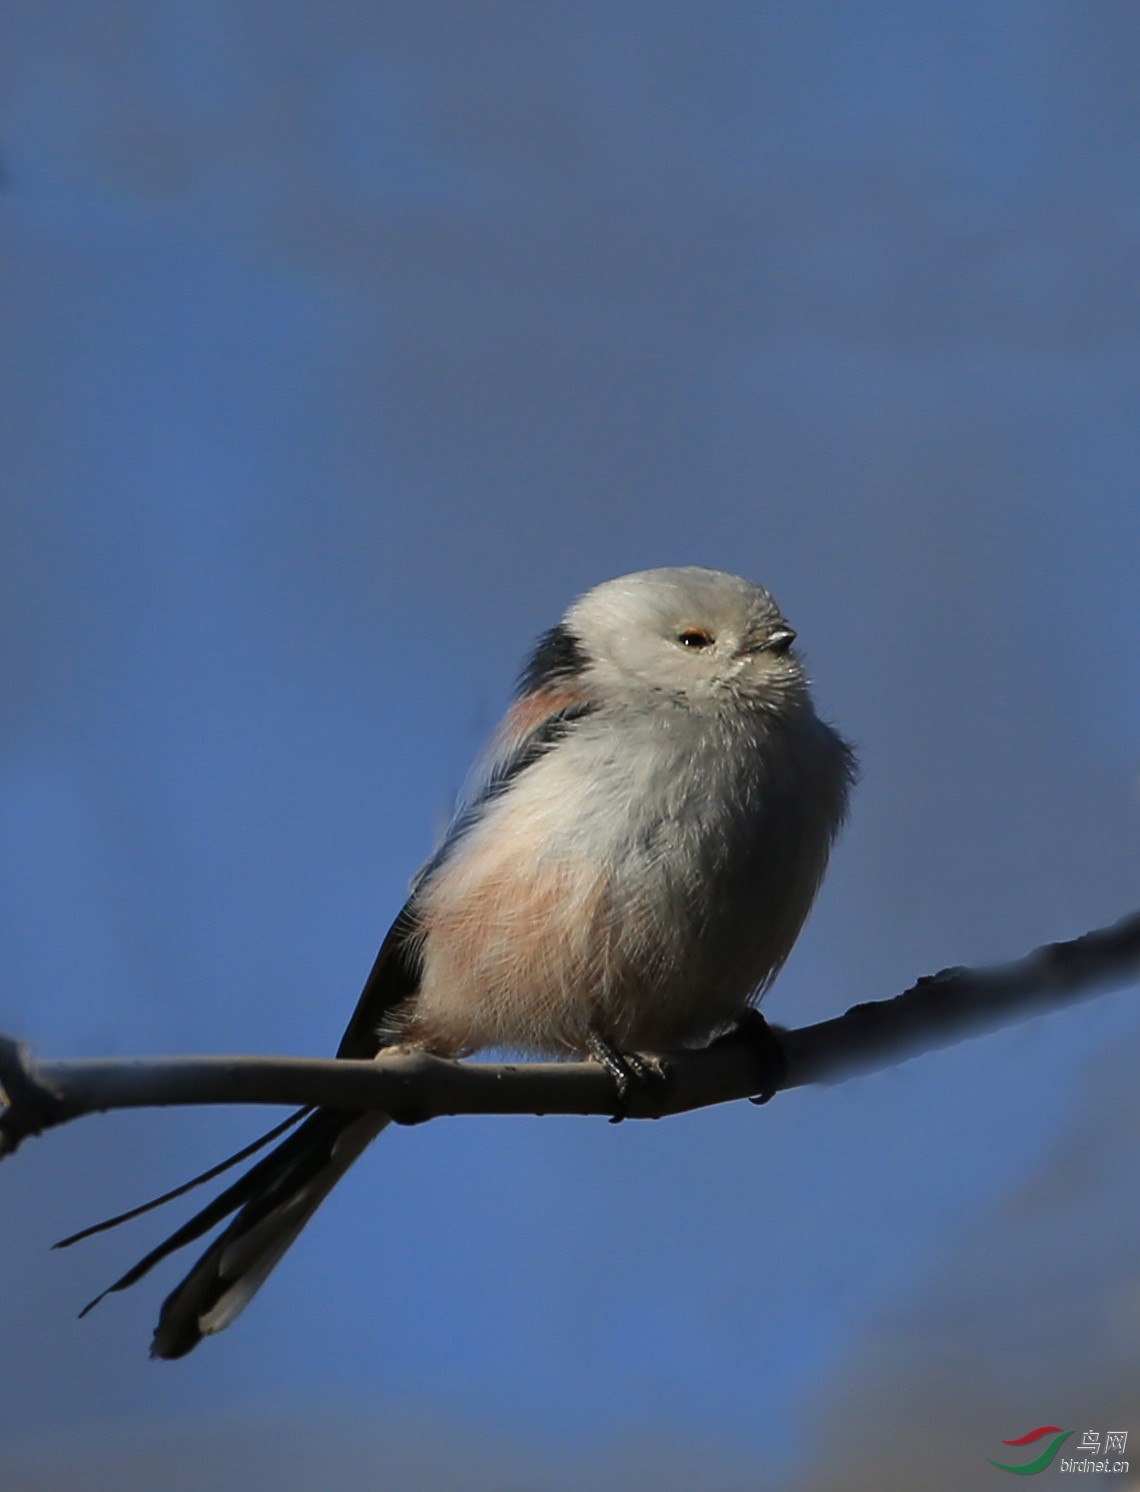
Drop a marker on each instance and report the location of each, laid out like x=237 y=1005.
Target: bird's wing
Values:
x=533 y=725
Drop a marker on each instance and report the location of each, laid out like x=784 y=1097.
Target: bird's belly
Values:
x=531 y=942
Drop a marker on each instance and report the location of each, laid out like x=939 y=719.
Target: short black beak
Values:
x=778 y=641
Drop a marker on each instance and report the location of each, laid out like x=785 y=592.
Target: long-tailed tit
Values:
x=639 y=849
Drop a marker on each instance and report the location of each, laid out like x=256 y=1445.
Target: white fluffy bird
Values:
x=635 y=859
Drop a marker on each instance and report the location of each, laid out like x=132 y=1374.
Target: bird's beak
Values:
x=777 y=641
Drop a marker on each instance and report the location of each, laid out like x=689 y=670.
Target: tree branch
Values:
x=940 y=1010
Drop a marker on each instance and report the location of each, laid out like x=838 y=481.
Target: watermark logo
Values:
x=1044 y=1458
x=1089 y=1458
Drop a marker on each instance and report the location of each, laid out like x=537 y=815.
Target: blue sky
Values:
x=342 y=347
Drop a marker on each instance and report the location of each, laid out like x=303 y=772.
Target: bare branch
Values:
x=938 y=1011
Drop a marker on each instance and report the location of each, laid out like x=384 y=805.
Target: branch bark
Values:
x=940 y=1010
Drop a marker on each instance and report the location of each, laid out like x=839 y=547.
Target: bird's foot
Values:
x=767 y=1048
x=628 y=1070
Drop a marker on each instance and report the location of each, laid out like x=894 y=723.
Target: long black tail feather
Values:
x=297 y=1158
x=187 y=1186
x=284 y=1191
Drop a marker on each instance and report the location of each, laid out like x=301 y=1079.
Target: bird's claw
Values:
x=768 y=1050
x=628 y=1070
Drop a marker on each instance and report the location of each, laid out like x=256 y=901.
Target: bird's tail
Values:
x=273 y=1201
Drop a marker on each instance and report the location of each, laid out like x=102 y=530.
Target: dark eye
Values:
x=695 y=637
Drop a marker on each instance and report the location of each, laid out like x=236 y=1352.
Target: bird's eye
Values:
x=695 y=637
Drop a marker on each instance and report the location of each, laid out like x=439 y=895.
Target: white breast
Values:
x=644 y=879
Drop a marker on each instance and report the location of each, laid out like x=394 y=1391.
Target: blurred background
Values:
x=344 y=344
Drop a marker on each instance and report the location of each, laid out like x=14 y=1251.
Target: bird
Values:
x=626 y=872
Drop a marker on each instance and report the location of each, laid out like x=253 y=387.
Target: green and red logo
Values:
x=1039 y=1463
